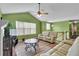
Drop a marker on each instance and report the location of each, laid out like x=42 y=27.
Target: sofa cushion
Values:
x=57 y=53
x=70 y=42
x=59 y=45
x=66 y=46
x=64 y=49
x=55 y=48
x=51 y=51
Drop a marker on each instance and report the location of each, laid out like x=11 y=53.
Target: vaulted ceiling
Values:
x=56 y=11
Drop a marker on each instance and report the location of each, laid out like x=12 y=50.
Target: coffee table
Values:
x=33 y=42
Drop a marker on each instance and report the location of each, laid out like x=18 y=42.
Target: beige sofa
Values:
x=59 y=50
x=48 y=36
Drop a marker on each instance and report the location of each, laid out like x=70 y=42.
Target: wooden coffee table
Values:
x=31 y=43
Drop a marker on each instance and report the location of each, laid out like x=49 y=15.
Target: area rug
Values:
x=42 y=48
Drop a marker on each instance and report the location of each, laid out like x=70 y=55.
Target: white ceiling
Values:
x=56 y=11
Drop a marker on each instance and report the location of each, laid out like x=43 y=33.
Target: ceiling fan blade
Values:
x=45 y=13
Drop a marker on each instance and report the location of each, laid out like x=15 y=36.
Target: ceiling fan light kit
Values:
x=39 y=15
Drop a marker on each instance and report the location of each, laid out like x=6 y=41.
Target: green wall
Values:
x=61 y=26
x=43 y=26
x=58 y=26
x=25 y=17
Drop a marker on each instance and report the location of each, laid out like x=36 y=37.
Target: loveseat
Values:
x=48 y=36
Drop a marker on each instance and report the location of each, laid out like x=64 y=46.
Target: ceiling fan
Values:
x=41 y=11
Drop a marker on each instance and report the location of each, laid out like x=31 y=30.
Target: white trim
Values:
x=2 y=34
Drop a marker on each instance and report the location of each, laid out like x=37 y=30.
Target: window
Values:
x=25 y=28
x=19 y=28
x=48 y=26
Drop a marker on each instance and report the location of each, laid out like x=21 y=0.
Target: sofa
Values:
x=48 y=36
x=59 y=50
